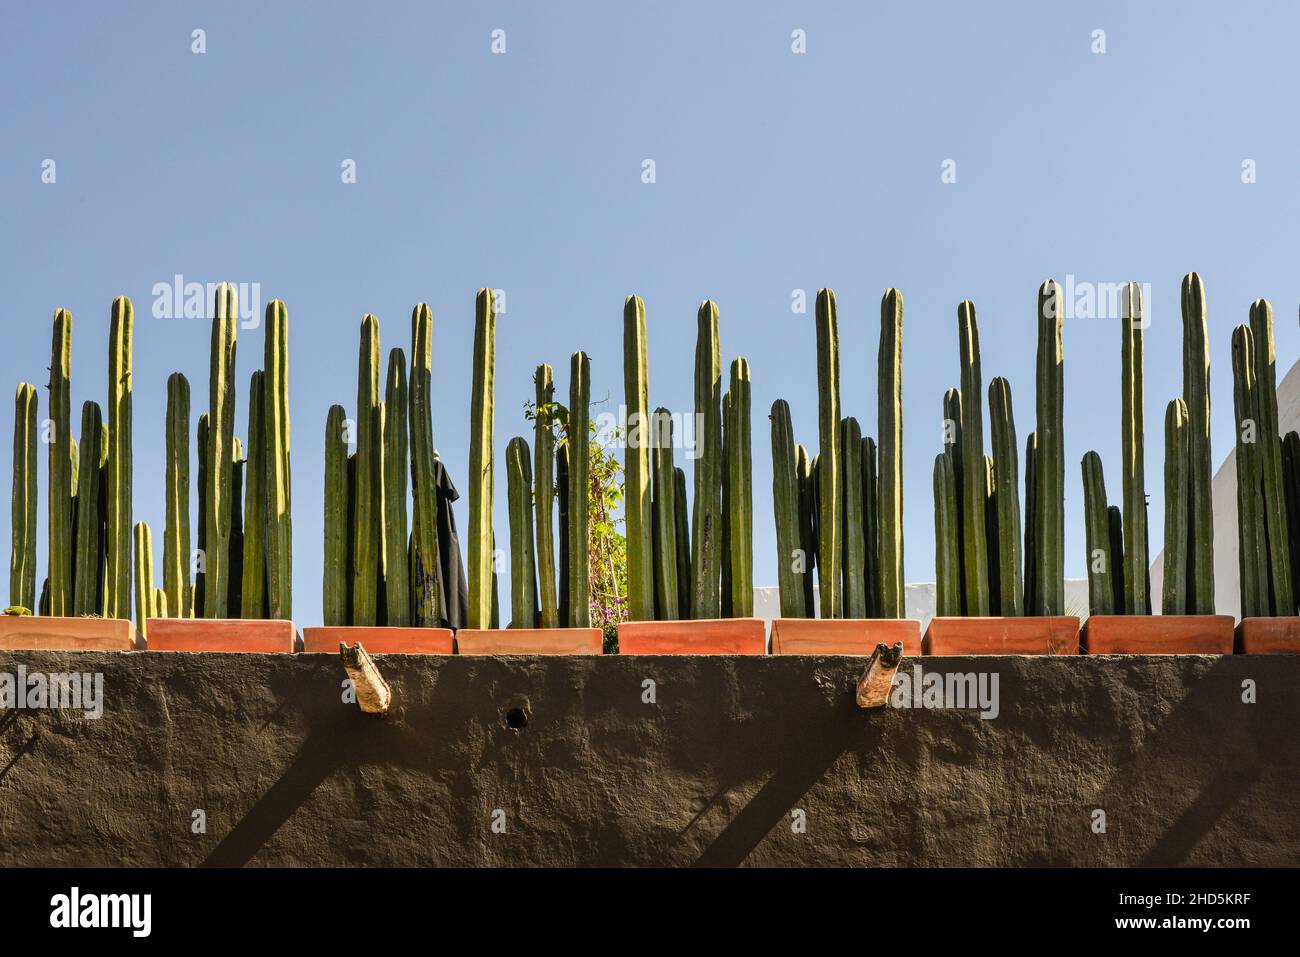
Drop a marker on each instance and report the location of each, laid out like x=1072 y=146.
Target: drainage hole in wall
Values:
x=516 y=719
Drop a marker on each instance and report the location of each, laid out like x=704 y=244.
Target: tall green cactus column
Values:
x=706 y=519
x=664 y=511
x=397 y=585
x=424 y=501
x=369 y=496
x=682 y=526
x=253 y=569
x=176 y=529
x=85 y=590
x=579 y=481
x=1251 y=523
x=145 y=593
x=889 y=512
x=1002 y=426
x=59 y=577
x=854 y=565
x=279 y=499
x=830 y=486
x=740 y=468
x=724 y=545
x=1174 y=597
x=117 y=602
x=975 y=559
x=482 y=407
x=562 y=486
x=1196 y=393
x=871 y=527
x=22 y=560
x=1096 y=515
x=803 y=469
x=235 y=577
x=1270 y=453
x=790 y=569
x=1031 y=562
x=544 y=495
x=1049 y=466
x=220 y=465
x=636 y=471
x=523 y=570
x=335 y=584
x=1133 y=436
x=202 y=430
x=947 y=536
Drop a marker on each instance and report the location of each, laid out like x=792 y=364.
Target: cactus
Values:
x=176 y=529
x=562 y=507
x=890 y=497
x=706 y=521
x=579 y=479
x=253 y=564
x=1291 y=480
x=724 y=545
x=1049 y=466
x=855 y=545
x=221 y=439
x=1174 y=595
x=424 y=501
x=367 y=560
x=947 y=548
x=1002 y=428
x=807 y=526
x=482 y=586
x=523 y=571
x=350 y=531
x=275 y=431
x=1101 y=564
x=86 y=567
x=740 y=467
x=785 y=503
x=22 y=561
x=830 y=476
x=636 y=471
x=991 y=533
x=1134 y=569
x=334 y=597
x=1253 y=551
x=200 y=573
x=975 y=559
x=235 y=564
x=871 y=528
x=1115 y=522
x=544 y=495
x=1270 y=459
x=117 y=601
x=397 y=583
x=145 y=598
x=681 y=523
x=1031 y=512
x=59 y=577
x=664 y=517
x=1200 y=502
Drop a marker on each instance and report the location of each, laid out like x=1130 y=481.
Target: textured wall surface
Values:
x=286 y=773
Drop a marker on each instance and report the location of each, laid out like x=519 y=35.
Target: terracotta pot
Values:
x=843 y=636
x=45 y=633
x=530 y=641
x=1046 y=635
x=707 y=636
x=220 y=634
x=379 y=641
x=1158 y=635
x=1268 y=636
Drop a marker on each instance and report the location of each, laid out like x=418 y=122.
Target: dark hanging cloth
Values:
x=452 y=612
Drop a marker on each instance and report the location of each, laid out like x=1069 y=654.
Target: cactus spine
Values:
x=1196 y=393
x=367 y=560
x=1134 y=581
x=424 y=501
x=335 y=585
x=523 y=571
x=947 y=549
x=397 y=583
x=22 y=560
x=253 y=567
x=1002 y=426
x=278 y=489
x=664 y=512
x=544 y=495
x=1251 y=528
x=829 y=474
x=1270 y=459
x=117 y=601
x=145 y=593
x=220 y=465
x=579 y=480
x=852 y=532
x=740 y=467
x=481 y=583
x=871 y=528
x=59 y=576
x=791 y=564
x=706 y=521
x=637 y=503
x=86 y=578
x=1049 y=466
x=975 y=560
x=1101 y=565
x=890 y=496
x=681 y=523
x=1174 y=596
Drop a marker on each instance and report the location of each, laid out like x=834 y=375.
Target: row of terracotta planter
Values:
x=1061 y=635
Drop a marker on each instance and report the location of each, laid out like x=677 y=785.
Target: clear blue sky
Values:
x=522 y=171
